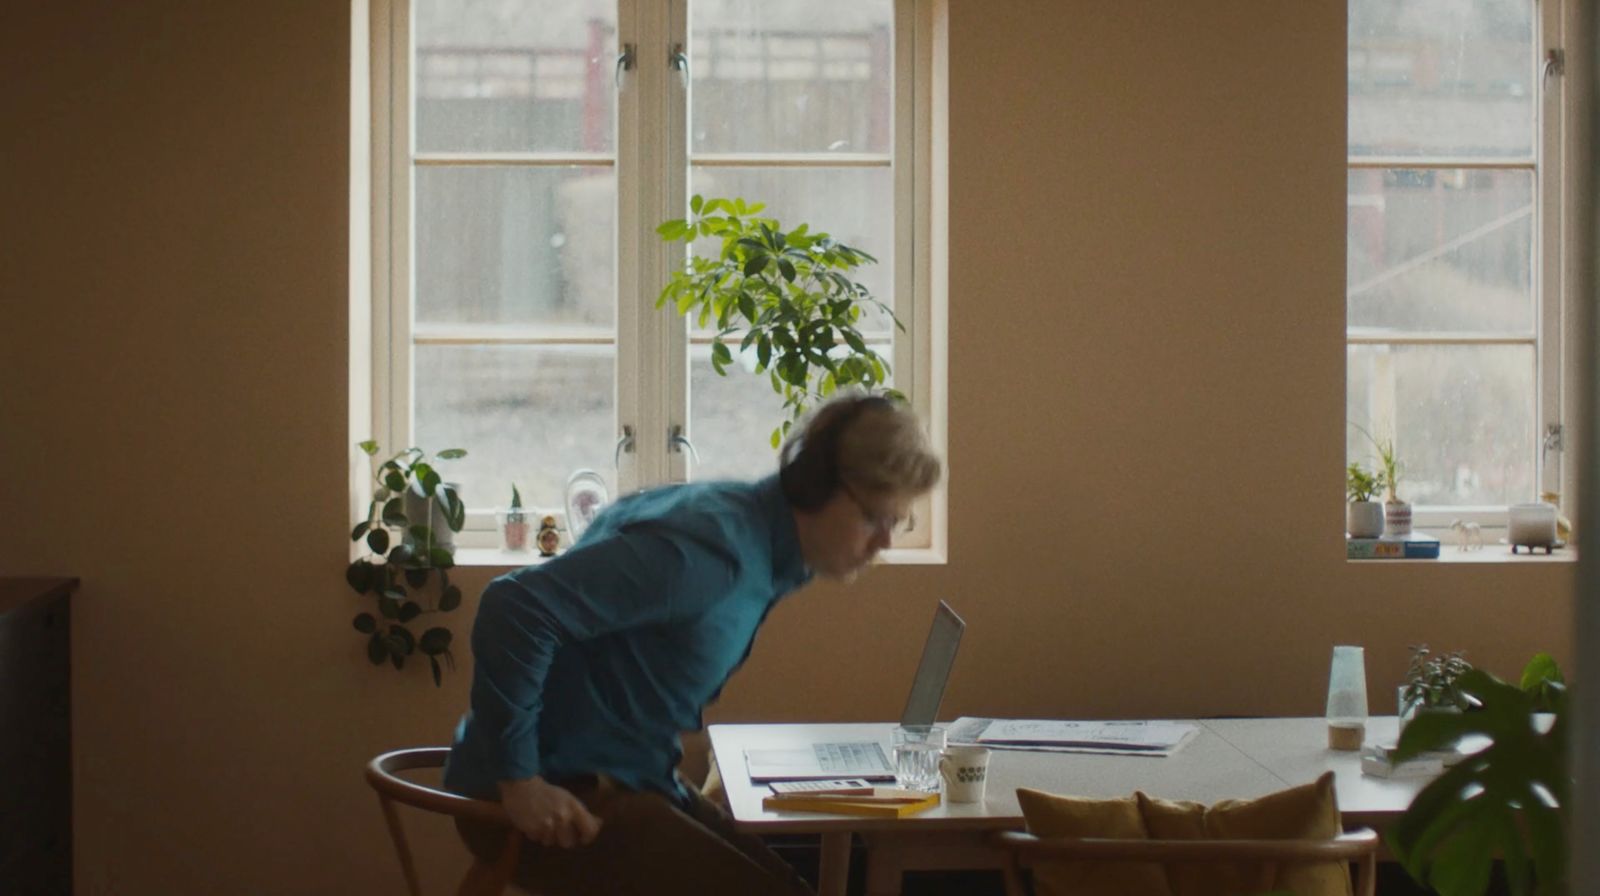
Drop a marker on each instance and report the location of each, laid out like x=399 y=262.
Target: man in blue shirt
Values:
x=589 y=665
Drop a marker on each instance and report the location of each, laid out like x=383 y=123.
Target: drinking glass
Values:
x=917 y=749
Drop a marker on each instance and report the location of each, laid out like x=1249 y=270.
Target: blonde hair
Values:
x=868 y=442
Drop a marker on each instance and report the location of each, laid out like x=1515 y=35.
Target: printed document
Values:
x=1137 y=737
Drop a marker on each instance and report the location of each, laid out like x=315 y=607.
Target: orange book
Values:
x=885 y=802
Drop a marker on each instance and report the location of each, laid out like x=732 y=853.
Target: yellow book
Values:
x=898 y=804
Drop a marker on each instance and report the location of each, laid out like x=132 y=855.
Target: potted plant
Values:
x=787 y=291
x=1396 y=513
x=1433 y=683
x=397 y=571
x=1508 y=801
x=514 y=523
x=1363 y=516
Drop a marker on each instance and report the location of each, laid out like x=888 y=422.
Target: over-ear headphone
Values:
x=809 y=466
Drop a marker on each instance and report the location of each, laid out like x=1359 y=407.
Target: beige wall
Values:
x=1146 y=396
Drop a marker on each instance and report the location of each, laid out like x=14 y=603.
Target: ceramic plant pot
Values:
x=1363 y=519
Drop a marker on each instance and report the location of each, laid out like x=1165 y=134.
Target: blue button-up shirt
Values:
x=593 y=662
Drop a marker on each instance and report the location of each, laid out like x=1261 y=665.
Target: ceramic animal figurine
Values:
x=1469 y=536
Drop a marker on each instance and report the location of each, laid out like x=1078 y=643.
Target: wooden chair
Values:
x=1026 y=850
x=483 y=879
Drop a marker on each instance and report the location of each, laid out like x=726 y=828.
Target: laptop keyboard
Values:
x=845 y=757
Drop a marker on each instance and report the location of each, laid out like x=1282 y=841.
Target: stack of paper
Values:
x=878 y=802
x=1143 y=738
x=1378 y=762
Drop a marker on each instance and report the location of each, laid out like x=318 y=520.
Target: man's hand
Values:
x=547 y=814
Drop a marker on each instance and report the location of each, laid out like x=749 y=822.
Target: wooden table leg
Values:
x=833 y=874
x=885 y=870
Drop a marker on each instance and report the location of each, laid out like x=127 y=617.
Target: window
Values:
x=525 y=152
x=1454 y=251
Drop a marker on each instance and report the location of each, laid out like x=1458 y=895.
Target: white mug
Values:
x=964 y=769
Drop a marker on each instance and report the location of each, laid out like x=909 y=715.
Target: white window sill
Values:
x=1489 y=553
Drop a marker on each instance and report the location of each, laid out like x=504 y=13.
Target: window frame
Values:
x=1553 y=301
x=652 y=346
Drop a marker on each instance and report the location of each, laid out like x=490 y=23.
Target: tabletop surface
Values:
x=1227 y=758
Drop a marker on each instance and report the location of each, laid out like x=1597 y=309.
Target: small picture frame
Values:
x=586 y=497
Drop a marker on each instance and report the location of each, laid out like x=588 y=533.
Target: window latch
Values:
x=677 y=441
x=625 y=61
x=678 y=61
x=624 y=444
x=1555 y=63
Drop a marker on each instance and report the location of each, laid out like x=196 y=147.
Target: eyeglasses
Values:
x=889 y=523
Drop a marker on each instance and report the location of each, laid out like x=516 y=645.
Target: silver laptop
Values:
x=866 y=759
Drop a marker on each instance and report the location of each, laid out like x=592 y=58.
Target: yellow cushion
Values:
x=1049 y=815
x=1307 y=812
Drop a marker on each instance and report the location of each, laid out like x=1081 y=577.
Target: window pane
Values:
x=1441 y=249
x=508 y=245
x=731 y=418
x=791 y=77
x=1461 y=417
x=528 y=415
x=1449 y=77
x=853 y=205
x=514 y=77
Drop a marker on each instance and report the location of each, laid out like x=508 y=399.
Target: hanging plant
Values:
x=407 y=568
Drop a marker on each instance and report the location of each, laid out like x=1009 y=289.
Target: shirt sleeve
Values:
x=643 y=575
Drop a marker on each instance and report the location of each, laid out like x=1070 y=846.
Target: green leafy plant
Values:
x=1361 y=484
x=1542 y=680
x=1388 y=461
x=1432 y=680
x=397 y=570
x=787 y=292
x=1508 y=800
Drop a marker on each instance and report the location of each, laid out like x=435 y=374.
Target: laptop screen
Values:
x=938 y=655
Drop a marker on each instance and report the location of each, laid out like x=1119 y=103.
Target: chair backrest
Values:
x=1026 y=850
x=383 y=774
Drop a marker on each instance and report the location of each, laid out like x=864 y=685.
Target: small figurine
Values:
x=549 y=537
x=1469 y=536
x=1563 y=525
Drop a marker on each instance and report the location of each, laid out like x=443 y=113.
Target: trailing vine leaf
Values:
x=366 y=624
x=401 y=640
x=409 y=611
x=378 y=540
x=360 y=575
x=435 y=640
x=394 y=513
x=450 y=598
x=377 y=651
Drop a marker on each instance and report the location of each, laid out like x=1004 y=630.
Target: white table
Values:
x=1239 y=758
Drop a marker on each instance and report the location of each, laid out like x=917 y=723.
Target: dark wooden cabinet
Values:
x=35 y=736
